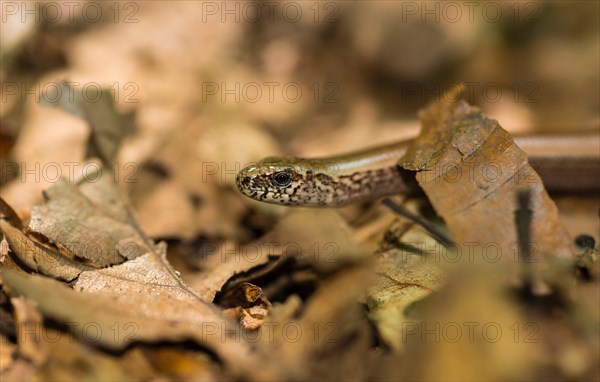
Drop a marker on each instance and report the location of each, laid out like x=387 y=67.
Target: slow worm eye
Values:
x=282 y=179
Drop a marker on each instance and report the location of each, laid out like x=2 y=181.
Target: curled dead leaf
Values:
x=471 y=170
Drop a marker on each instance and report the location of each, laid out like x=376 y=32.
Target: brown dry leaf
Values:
x=332 y=330
x=228 y=260
x=51 y=144
x=5 y=259
x=39 y=258
x=471 y=171
x=141 y=299
x=96 y=230
x=320 y=238
x=409 y=268
x=402 y=279
x=97 y=108
x=151 y=312
x=148 y=274
x=28 y=322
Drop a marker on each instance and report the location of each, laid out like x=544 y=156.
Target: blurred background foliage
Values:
x=393 y=56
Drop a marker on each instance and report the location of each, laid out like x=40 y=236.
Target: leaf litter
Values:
x=307 y=293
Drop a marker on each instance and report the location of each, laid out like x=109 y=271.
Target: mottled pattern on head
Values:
x=314 y=182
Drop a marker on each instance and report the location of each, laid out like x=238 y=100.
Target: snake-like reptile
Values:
x=565 y=163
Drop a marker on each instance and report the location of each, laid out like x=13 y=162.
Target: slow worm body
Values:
x=565 y=164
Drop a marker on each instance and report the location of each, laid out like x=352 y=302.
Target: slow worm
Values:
x=565 y=164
